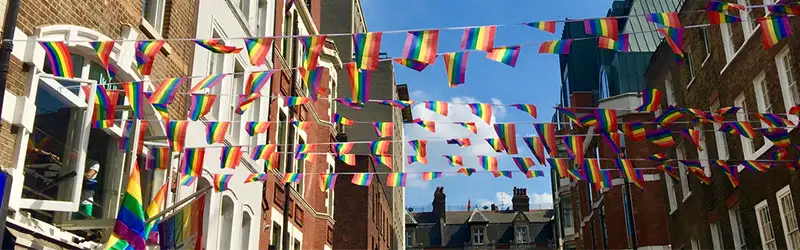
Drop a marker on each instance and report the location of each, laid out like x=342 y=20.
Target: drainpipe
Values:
x=9 y=25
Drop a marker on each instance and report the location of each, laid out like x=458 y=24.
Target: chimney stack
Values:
x=520 y=200
x=439 y=202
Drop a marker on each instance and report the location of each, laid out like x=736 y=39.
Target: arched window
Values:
x=226 y=222
x=245 y=231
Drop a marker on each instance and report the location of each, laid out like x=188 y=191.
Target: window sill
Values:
x=152 y=33
x=708 y=56
x=691 y=82
x=686 y=197
x=240 y=17
x=735 y=54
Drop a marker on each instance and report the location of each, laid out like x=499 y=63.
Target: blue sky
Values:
x=534 y=80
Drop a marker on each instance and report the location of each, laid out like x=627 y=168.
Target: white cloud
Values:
x=501 y=199
x=541 y=200
x=419 y=95
x=499 y=108
x=415 y=181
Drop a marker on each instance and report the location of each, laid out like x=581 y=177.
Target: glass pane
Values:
x=77 y=71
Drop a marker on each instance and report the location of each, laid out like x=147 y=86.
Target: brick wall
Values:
x=364 y=220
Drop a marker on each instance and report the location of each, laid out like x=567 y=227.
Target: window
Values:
x=789 y=88
x=706 y=49
x=277 y=236
x=735 y=216
x=566 y=212
x=289 y=28
x=297 y=244
x=409 y=237
x=683 y=173
x=226 y=223
x=284 y=131
x=719 y=137
x=671 y=99
x=329 y=199
x=216 y=65
x=672 y=192
x=762 y=95
x=716 y=237
x=300 y=168
x=690 y=65
x=522 y=234
x=245 y=232
x=765 y=226
x=153 y=13
x=741 y=115
x=727 y=41
x=478 y=235
x=261 y=21
x=235 y=89
x=702 y=155
x=788 y=218
x=748 y=19
x=694 y=244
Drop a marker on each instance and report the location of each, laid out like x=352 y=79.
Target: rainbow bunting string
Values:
x=507 y=55
x=59 y=57
x=548 y=26
x=555 y=47
x=774 y=29
x=456 y=65
x=313 y=45
x=774 y=120
x=396 y=180
x=508 y=136
x=669 y=19
x=778 y=136
x=230 y=157
x=207 y=82
x=215 y=131
x=479 y=38
x=421 y=46
x=221 y=182
x=200 y=105
x=257 y=49
x=327 y=181
x=488 y=162
x=606 y=27
x=367 y=47
x=547 y=131
x=359 y=83
x=427 y=176
x=362 y=179
x=192 y=161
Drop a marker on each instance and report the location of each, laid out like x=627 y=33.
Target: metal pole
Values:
x=178 y=204
x=629 y=214
x=9 y=25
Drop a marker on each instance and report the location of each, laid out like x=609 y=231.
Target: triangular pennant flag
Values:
x=257 y=81
x=292 y=177
x=507 y=174
x=417 y=158
x=469 y=125
x=694 y=136
x=421 y=46
x=507 y=55
x=547 y=131
x=192 y=161
x=478 y=38
x=254 y=128
x=507 y=133
x=548 y=26
x=327 y=181
x=555 y=47
x=668 y=19
x=165 y=91
x=200 y=105
x=396 y=180
x=383 y=159
x=217 y=46
x=359 y=83
x=774 y=29
x=488 y=162
x=215 y=132
x=349 y=159
x=461 y=142
x=221 y=182
x=523 y=163
x=255 y=178
x=438 y=107
x=257 y=49
x=176 y=134
x=313 y=47
x=313 y=80
x=661 y=137
x=146 y=52
x=466 y=171
x=419 y=146
x=380 y=147
x=207 y=82
x=674 y=37
x=632 y=175
x=103 y=50
x=496 y=144
x=537 y=148
x=134 y=91
x=384 y=129
x=428 y=125
x=230 y=157
x=455 y=64
x=651 y=99
x=634 y=130
x=574 y=146
x=367 y=47
x=342 y=148
x=427 y=176
x=613 y=141
x=527 y=108
x=606 y=27
x=621 y=44
x=482 y=110
x=454 y=160
x=412 y=64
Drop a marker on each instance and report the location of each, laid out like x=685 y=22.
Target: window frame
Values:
x=686 y=191
x=720 y=138
x=478 y=233
x=782 y=59
x=521 y=234
x=764 y=242
x=737 y=230
x=702 y=155
x=157 y=24
x=748 y=22
x=716 y=236
x=782 y=193
x=748 y=147
x=727 y=42
x=706 y=45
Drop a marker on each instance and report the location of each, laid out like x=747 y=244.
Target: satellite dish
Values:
x=411 y=209
x=485 y=207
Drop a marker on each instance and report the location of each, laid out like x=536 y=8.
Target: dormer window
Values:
x=478 y=236
x=521 y=234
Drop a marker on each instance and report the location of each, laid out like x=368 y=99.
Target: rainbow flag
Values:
x=349 y=159
x=507 y=174
x=313 y=47
x=304 y=148
x=188 y=180
x=488 y=162
x=651 y=98
x=257 y=49
x=668 y=19
x=412 y=64
x=720 y=18
x=216 y=46
x=784 y=7
x=134 y=91
x=693 y=135
x=292 y=177
x=161 y=109
x=159 y=158
x=606 y=181
x=730 y=171
x=723 y=6
x=245 y=102
x=454 y=160
x=574 y=146
x=622 y=43
x=507 y=55
x=313 y=80
x=257 y=81
x=661 y=137
x=523 y=163
x=359 y=83
x=548 y=26
x=103 y=50
x=59 y=57
x=739 y=128
x=255 y=177
x=215 y=132
x=669 y=116
x=507 y=133
x=612 y=139
x=536 y=147
x=570 y=114
x=606 y=120
x=302 y=126
x=547 y=131
x=165 y=91
x=667 y=169
x=393 y=103
x=421 y=46
x=380 y=147
x=263 y=152
x=419 y=146
x=396 y=180
x=130 y=231
x=192 y=161
x=606 y=27
x=778 y=136
x=496 y=144
x=327 y=181
x=362 y=179
x=221 y=181
x=437 y=106
x=105 y=104
x=696 y=168
x=626 y=168
x=660 y=157
x=342 y=148
x=176 y=134
x=534 y=173
x=254 y=128
x=200 y=105
x=207 y=82
x=561 y=165
x=428 y=125
x=367 y=47
x=154 y=208
x=755 y=166
x=587 y=120
x=774 y=121
x=555 y=47
x=730 y=110
x=674 y=37
x=384 y=129
x=461 y=142
x=466 y=171
x=592 y=169
x=337 y=118
x=701 y=116
x=427 y=176
x=295 y=100
x=230 y=157
x=527 y=108
x=456 y=65
x=482 y=110
x=469 y=125
x=146 y=52
x=479 y=38
x=634 y=130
